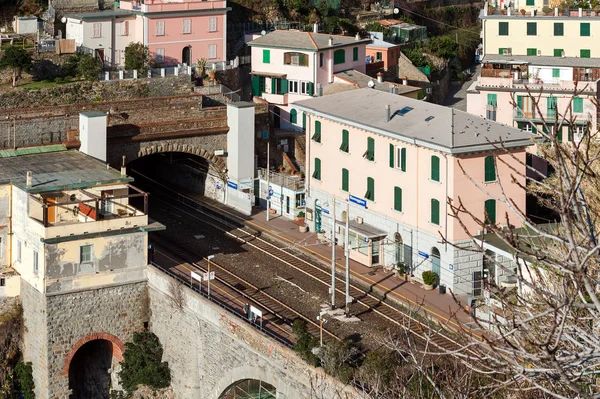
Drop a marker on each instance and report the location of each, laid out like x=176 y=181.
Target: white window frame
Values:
x=578 y=133
x=125 y=28
x=91 y=254
x=36 y=262
x=97 y=30
x=213 y=24
x=304 y=87
x=186 y=26
x=528 y=127
x=160 y=28
x=19 y=249
x=398 y=163
x=160 y=55
x=293 y=86
x=212 y=51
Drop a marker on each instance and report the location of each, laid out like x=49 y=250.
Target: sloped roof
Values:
x=544 y=60
x=304 y=40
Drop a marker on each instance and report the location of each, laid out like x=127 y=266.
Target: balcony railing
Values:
x=496 y=73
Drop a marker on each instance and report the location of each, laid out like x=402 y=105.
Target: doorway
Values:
x=186 y=55
x=51 y=202
x=317 y=216
x=277 y=117
x=435 y=261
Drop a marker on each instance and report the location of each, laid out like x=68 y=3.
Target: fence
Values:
x=218 y=89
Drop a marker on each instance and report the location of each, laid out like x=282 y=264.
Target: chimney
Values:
x=357 y=37
x=316 y=28
x=319 y=90
x=92 y=134
x=556 y=11
x=379 y=77
x=405 y=81
x=532 y=12
x=580 y=12
x=123 y=167
x=330 y=41
x=508 y=11
x=387 y=113
x=29 y=178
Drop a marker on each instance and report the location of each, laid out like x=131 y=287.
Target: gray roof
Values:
x=381 y=44
x=106 y=14
x=55 y=171
x=544 y=60
x=304 y=40
x=424 y=124
x=357 y=80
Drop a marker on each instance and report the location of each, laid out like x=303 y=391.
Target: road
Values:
x=457 y=96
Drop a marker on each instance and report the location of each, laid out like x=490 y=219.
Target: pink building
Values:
x=392 y=163
x=176 y=32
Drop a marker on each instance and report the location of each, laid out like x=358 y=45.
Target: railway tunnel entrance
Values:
x=249 y=389
x=89 y=376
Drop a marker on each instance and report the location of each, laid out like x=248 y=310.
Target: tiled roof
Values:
x=357 y=80
x=304 y=40
x=544 y=60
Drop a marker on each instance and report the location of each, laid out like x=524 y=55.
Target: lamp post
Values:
x=333 y=254
x=320 y=318
x=208 y=258
x=268 y=180
x=347 y=239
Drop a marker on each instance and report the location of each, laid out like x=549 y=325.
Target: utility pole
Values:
x=347 y=239
x=208 y=259
x=268 y=181
x=333 y=255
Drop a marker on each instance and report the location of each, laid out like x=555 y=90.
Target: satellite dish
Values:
x=63 y=20
x=371 y=84
x=396 y=10
x=264 y=32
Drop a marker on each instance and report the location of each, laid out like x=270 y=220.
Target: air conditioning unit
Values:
x=359 y=220
x=539 y=52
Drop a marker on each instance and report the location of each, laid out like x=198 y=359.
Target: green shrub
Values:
x=429 y=277
x=400 y=268
x=24 y=380
x=304 y=342
x=89 y=67
x=301 y=214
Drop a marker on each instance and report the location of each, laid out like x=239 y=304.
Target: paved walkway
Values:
x=441 y=307
x=457 y=96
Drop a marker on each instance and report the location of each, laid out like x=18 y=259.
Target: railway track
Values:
x=367 y=302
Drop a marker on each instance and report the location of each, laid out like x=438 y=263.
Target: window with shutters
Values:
x=398 y=199
x=36 y=262
x=339 y=56
x=317 y=172
x=160 y=28
x=532 y=51
x=578 y=105
x=266 y=56
x=316 y=137
x=293 y=116
x=559 y=29
x=435 y=211
x=345 y=147
x=304 y=121
x=489 y=169
x=435 y=168
x=306 y=88
x=212 y=24
x=492 y=103
x=292 y=86
x=551 y=107
x=295 y=59
x=379 y=56
x=503 y=28
x=160 y=55
x=585 y=53
x=501 y=50
x=492 y=99
x=125 y=28
x=558 y=52
x=555 y=73
x=490 y=211
x=345 y=180
x=370 y=194
x=531 y=28
x=355 y=54
x=401 y=158
x=97 y=30
x=85 y=253
x=530 y=2
x=370 y=152
x=584 y=29
x=212 y=51
x=186 y=26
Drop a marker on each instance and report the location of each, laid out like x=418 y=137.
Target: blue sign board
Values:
x=232 y=185
x=424 y=254
x=357 y=201
x=303 y=203
x=218 y=186
x=325 y=211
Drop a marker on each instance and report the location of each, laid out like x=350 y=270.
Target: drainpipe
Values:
x=446 y=207
x=10 y=222
x=307 y=139
x=417 y=203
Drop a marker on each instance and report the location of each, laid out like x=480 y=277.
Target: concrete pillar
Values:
x=121 y=75
x=162 y=72
x=189 y=70
x=176 y=71
x=135 y=74
x=106 y=75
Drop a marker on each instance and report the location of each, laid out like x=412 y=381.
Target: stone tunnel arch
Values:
x=253 y=373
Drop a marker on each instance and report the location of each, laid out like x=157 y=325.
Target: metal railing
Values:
x=295 y=183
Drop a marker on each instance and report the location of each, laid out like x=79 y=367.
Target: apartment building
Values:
x=553 y=60
x=288 y=66
x=392 y=163
x=176 y=32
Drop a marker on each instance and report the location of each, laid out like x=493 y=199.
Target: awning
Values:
x=363 y=229
x=269 y=74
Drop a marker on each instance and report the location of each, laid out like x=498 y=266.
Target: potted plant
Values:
x=401 y=270
x=429 y=279
x=546 y=10
x=211 y=74
x=303 y=228
x=503 y=11
x=300 y=216
x=522 y=11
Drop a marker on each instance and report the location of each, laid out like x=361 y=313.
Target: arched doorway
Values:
x=249 y=389
x=186 y=55
x=89 y=376
x=399 y=247
x=317 y=216
x=435 y=261
x=277 y=117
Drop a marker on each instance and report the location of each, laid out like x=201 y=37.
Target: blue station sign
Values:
x=357 y=201
x=233 y=185
x=424 y=254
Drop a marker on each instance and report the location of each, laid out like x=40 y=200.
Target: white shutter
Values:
x=212 y=51
x=212 y=24
x=160 y=28
x=187 y=26
x=125 y=28
x=97 y=30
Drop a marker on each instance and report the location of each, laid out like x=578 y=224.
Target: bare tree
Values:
x=178 y=297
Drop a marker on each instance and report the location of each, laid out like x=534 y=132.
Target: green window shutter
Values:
x=370 y=155
x=490 y=211
x=503 y=28
x=261 y=84
x=317 y=134
x=492 y=99
x=584 y=53
x=555 y=73
x=392 y=150
x=345 y=180
x=530 y=3
x=570 y=134
x=310 y=88
x=519 y=105
x=435 y=211
x=339 y=56
x=398 y=199
x=355 y=54
x=370 y=194
x=293 y=116
x=256 y=86
x=559 y=134
x=274 y=86
x=490 y=169
x=266 y=56
x=584 y=29
x=304 y=120
x=558 y=52
x=578 y=105
x=531 y=28
x=531 y=51
x=501 y=50
x=435 y=168
x=345 y=147
x=403 y=159
x=284 y=86
x=559 y=29
x=317 y=173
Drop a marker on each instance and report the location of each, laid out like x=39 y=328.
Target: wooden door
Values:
x=51 y=209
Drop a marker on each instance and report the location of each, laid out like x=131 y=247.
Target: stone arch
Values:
x=254 y=373
x=117 y=346
x=218 y=162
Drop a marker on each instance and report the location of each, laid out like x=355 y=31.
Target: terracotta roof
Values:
x=304 y=40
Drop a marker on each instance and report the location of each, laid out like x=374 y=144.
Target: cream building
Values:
x=394 y=163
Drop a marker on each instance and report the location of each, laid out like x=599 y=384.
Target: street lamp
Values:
x=320 y=318
x=208 y=258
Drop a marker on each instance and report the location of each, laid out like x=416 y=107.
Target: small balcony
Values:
x=279 y=99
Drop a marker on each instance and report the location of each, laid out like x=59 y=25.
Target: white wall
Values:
x=92 y=133
x=75 y=31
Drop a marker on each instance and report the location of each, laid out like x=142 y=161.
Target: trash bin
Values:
x=442 y=289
